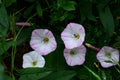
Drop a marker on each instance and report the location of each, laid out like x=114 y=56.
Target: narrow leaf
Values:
x=4 y=24
x=86 y=10
x=1 y=72
x=7 y=3
x=33 y=73
x=61 y=75
x=94 y=74
x=39 y=9
x=29 y=10
x=106 y=19
x=69 y=6
x=32 y=70
x=0 y=2
x=35 y=76
x=66 y=4
x=5 y=46
x=31 y=0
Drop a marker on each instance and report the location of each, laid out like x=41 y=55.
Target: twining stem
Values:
x=14 y=49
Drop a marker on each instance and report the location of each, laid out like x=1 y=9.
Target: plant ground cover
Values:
x=94 y=24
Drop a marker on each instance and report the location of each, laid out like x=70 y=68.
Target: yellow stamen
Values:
x=46 y=39
x=77 y=36
x=72 y=52
x=34 y=63
x=108 y=54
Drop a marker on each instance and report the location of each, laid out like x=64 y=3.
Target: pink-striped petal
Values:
x=33 y=59
x=108 y=56
x=73 y=35
x=75 y=56
x=43 y=41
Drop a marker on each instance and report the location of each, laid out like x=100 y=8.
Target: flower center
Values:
x=46 y=39
x=77 y=36
x=108 y=54
x=34 y=63
x=72 y=52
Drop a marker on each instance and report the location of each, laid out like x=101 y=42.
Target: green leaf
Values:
x=1 y=72
x=55 y=60
x=86 y=10
x=63 y=17
x=66 y=4
x=22 y=37
x=83 y=18
x=36 y=76
x=69 y=6
x=31 y=0
x=5 y=46
x=28 y=11
x=0 y=2
x=7 y=3
x=39 y=9
x=32 y=70
x=4 y=24
x=106 y=19
x=33 y=73
x=93 y=73
x=6 y=77
x=61 y=75
x=2 y=75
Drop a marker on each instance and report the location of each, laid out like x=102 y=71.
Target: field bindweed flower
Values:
x=108 y=57
x=75 y=56
x=33 y=59
x=73 y=35
x=43 y=41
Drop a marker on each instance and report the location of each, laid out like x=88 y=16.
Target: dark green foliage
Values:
x=7 y=3
x=106 y=19
x=86 y=11
x=61 y=75
x=100 y=18
x=33 y=73
x=4 y=23
x=31 y=0
x=66 y=5
x=2 y=75
x=5 y=46
x=39 y=9
x=1 y=72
